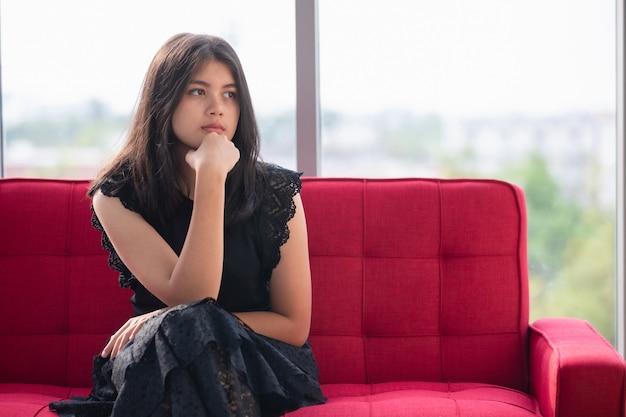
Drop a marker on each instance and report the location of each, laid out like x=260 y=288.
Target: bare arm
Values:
x=289 y=319
x=197 y=273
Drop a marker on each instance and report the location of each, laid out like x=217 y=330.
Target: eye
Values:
x=230 y=95
x=196 y=92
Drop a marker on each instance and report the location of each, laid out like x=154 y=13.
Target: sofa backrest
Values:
x=413 y=279
x=417 y=279
x=59 y=300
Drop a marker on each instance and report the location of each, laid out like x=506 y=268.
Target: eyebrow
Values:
x=203 y=83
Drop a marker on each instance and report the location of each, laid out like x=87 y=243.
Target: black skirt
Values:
x=199 y=360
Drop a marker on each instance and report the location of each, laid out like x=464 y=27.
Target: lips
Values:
x=214 y=127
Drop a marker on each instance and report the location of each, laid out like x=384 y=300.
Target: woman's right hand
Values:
x=124 y=334
x=216 y=153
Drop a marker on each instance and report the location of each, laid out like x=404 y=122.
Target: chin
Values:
x=187 y=145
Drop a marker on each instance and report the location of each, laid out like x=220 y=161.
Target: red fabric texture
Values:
x=59 y=300
x=21 y=400
x=572 y=367
x=420 y=303
x=427 y=399
x=418 y=280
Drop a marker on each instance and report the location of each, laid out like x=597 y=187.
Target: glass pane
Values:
x=522 y=90
x=72 y=71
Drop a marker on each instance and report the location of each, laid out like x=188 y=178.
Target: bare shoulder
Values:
x=112 y=213
x=103 y=204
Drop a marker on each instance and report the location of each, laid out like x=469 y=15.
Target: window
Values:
x=522 y=90
x=72 y=71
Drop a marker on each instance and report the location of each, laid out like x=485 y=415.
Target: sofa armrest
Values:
x=574 y=371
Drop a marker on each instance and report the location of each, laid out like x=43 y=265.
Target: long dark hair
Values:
x=147 y=162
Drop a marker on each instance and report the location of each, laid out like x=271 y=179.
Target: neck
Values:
x=189 y=175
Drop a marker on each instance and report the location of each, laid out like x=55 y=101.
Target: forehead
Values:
x=217 y=71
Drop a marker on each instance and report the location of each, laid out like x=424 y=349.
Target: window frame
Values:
x=308 y=118
x=621 y=182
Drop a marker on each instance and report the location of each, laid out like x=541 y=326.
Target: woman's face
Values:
x=209 y=104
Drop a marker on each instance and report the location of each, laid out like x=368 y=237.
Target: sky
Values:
x=455 y=57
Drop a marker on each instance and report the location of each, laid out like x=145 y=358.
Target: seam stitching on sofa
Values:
x=522 y=294
x=67 y=280
x=363 y=335
x=456 y=406
x=43 y=407
x=441 y=350
x=557 y=352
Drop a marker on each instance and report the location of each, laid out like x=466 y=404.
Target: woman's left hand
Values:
x=124 y=334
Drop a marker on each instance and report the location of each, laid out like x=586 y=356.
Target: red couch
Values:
x=420 y=306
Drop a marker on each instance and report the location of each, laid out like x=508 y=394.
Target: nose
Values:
x=214 y=106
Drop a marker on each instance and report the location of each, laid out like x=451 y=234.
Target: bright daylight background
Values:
x=522 y=90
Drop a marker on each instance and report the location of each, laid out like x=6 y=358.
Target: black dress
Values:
x=198 y=359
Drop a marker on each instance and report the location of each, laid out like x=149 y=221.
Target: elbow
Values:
x=301 y=334
x=294 y=330
x=300 y=341
x=296 y=340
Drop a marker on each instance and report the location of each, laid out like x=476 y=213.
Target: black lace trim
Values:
x=126 y=277
x=112 y=188
x=282 y=185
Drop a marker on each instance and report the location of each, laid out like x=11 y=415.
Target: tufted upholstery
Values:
x=441 y=283
x=420 y=303
x=62 y=305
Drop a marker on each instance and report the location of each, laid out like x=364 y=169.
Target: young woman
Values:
x=214 y=244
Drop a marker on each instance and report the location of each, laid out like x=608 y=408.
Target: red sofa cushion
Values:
x=21 y=400
x=415 y=399
x=437 y=294
x=59 y=299
x=410 y=399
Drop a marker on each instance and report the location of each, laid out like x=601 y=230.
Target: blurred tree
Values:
x=570 y=249
x=552 y=220
x=571 y=252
